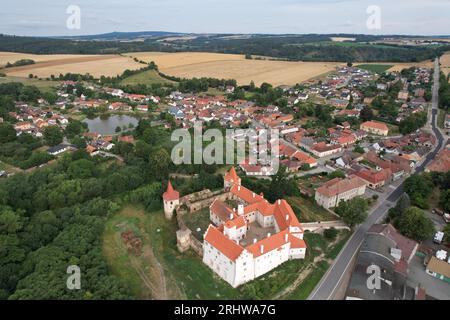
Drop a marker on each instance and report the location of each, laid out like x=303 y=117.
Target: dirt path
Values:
x=158 y=284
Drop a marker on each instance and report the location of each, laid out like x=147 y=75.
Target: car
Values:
x=446 y=217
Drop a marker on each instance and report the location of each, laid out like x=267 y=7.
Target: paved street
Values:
x=332 y=279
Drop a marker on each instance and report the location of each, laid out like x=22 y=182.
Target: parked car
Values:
x=438 y=237
x=438 y=211
x=446 y=217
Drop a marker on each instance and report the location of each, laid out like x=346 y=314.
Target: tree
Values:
x=413 y=122
x=159 y=162
x=352 y=212
x=359 y=149
x=7 y=133
x=419 y=188
x=118 y=129
x=337 y=174
x=447 y=233
x=53 y=135
x=366 y=114
x=330 y=233
x=415 y=225
x=444 y=200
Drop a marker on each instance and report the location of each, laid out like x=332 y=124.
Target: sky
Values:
x=49 y=17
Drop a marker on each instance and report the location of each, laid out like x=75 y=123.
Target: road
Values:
x=328 y=285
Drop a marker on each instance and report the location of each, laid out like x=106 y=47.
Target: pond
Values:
x=107 y=126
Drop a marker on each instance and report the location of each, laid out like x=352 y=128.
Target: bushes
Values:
x=330 y=234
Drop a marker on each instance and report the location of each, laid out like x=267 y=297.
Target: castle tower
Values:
x=230 y=179
x=171 y=200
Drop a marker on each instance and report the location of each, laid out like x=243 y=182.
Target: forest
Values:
x=286 y=47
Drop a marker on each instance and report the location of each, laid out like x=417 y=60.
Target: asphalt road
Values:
x=326 y=288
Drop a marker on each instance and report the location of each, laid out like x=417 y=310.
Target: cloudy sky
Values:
x=49 y=17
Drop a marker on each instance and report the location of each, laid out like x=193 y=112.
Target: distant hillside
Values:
x=309 y=47
x=123 y=35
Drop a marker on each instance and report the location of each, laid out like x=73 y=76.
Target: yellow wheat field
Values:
x=46 y=65
x=232 y=66
x=445 y=63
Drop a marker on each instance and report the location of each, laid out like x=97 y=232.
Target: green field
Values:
x=44 y=85
x=376 y=68
x=441 y=118
x=148 y=77
x=308 y=211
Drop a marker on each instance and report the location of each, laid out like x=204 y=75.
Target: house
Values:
x=447 y=121
x=239 y=255
x=374 y=127
x=339 y=103
x=441 y=163
x=375 y=179
x=142 y=108
x=332 y=192
x=54 y=151
x=384 y=247
x=439 y=269
x=126 y=139
x=322 y=149
x=403 y=95
x=176 y=112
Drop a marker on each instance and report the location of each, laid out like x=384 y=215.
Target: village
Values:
x=353 y=134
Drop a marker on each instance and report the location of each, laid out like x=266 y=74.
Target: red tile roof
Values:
x=171 y=193
x=246 y=194
x=221 y=210
x=218 y=240
x=338 y=186
x=232 y=176
x=375 y=125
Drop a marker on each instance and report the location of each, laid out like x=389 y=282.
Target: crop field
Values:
x=46 y=65
x=445 y=63
x=377 y=68
x=231 y=66
x=148 y=77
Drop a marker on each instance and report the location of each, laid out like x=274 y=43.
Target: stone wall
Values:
x=193 y=203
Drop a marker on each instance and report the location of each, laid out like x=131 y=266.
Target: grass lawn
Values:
x=376 y=68
x=441 y=118
x=393 y=129
x=310 y=282
x=308 y=211
x=199 y=219
x=43 y=85
x=148 y=77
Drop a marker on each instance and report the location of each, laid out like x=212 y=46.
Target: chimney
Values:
x=240 y=209
x=254 y=194
x=286 y=237
x=279 y=201
x=262 y=249
x=268 y=235
x=239 y=187
x=287 y=217
x=255 y=241
x=231 y=216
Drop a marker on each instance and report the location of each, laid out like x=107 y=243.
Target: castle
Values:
x=245 y=242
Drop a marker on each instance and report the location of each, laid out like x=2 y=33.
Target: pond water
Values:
x=107 y=126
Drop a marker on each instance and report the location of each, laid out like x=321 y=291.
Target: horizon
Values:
x=296 y=17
